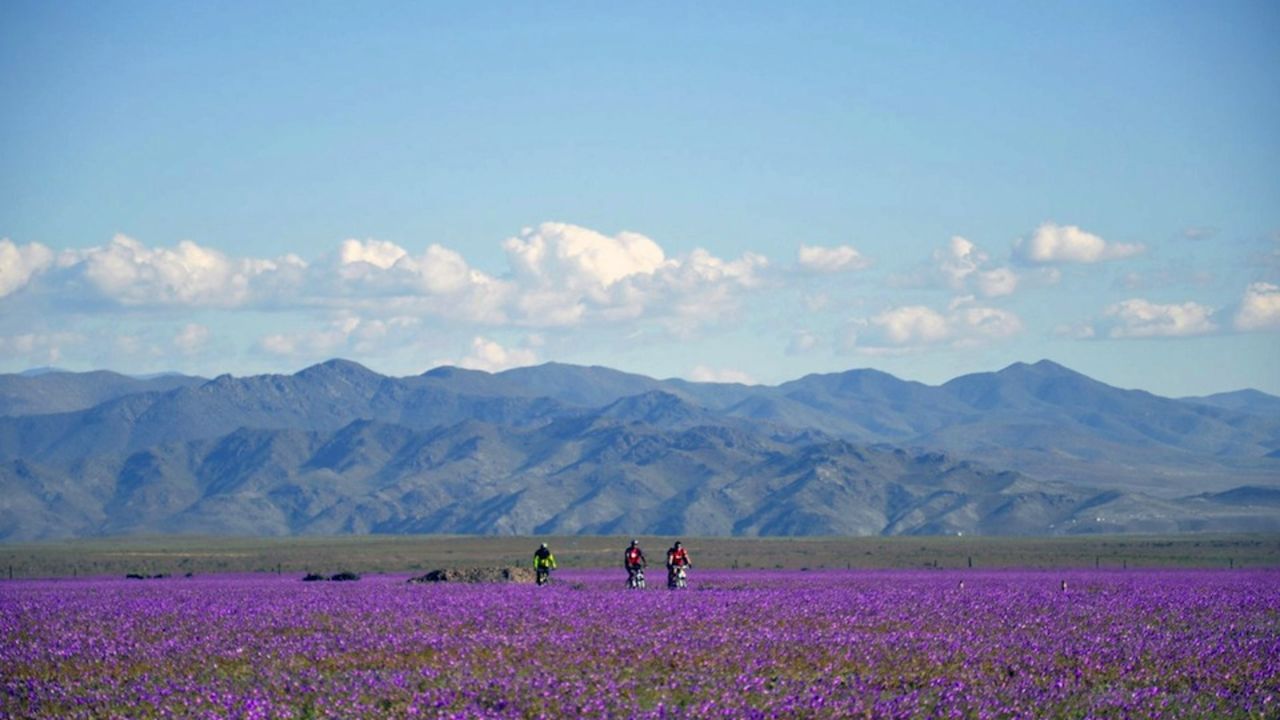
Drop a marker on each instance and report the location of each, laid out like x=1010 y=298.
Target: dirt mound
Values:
x=478 y=575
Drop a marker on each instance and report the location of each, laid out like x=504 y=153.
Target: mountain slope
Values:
x=591 y=475
x=59 y=391
x=1245 y=401
x=337 y=448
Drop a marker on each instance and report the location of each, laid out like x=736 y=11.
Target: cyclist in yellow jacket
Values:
x=543 y=563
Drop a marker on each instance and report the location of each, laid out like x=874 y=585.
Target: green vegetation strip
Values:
x=176 y=556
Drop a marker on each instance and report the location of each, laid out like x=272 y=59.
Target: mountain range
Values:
x=1033 y=449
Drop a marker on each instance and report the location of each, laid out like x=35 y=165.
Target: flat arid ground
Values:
x=400 y=553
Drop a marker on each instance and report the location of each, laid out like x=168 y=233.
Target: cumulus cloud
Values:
x=18 y=263
x=574 y=256
x=958 y=260
x=567 y=275
x=700 y=288
x=702 y=373
x=132 y=274
x=828 y=260
x=379 y=277
x=491 y=356
x=1052 y=243
x=913 y=327
x=964 y=267
x=560 y=275
x=1260 y=308
x=378 y=253
x=1139 y=318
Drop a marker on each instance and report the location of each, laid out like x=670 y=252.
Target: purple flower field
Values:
x=736 y=644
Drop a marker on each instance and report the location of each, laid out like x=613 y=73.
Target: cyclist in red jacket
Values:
x=633 y=560
x=677 y=562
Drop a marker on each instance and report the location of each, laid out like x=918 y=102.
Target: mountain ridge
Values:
x=338 y=448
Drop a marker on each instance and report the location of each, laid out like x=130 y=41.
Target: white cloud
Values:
x=378 y=253
x=132 y=274
x=702 y=373
x=914 y=327
x=490 y=356
x=973 y=325
x=573 y=256
x=38 y=348
x=1053 y=243
x=375 y=277
x=803 y=342
x=343 y=334
x=191 y=338
x=442 y=271
x=18 y=263
x=998 y=282
x=961 y=264
x=565 y=275
x=841 y=258
x=561 y=275
x=280 y=344
x=1139 y=318
x=1260 y=308
x=959 y=259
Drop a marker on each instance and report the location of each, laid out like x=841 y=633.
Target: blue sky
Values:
x=712 y=191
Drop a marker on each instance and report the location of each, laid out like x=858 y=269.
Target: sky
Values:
x=735 y=192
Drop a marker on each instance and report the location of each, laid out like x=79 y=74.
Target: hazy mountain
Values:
x=338 y=448
x=1247 y=401
x=49 y=390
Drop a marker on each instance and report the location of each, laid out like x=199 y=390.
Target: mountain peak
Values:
x=445 y=372
x=336 y=366
x=1042 y=368
x=655 y=407
x=38 y=371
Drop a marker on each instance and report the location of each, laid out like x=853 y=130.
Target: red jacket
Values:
x=678 y=556
x=633 y=557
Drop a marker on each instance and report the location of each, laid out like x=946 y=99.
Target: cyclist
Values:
x=543 y=563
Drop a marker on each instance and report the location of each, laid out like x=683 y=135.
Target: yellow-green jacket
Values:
x=543 y=559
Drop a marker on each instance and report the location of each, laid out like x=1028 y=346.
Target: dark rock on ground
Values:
x=478 y=575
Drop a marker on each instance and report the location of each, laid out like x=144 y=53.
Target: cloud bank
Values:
x=912 y=328
x=366 y=297
x=1142 y=319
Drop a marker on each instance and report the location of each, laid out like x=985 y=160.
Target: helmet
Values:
x=634 y=543
x=544 y=546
